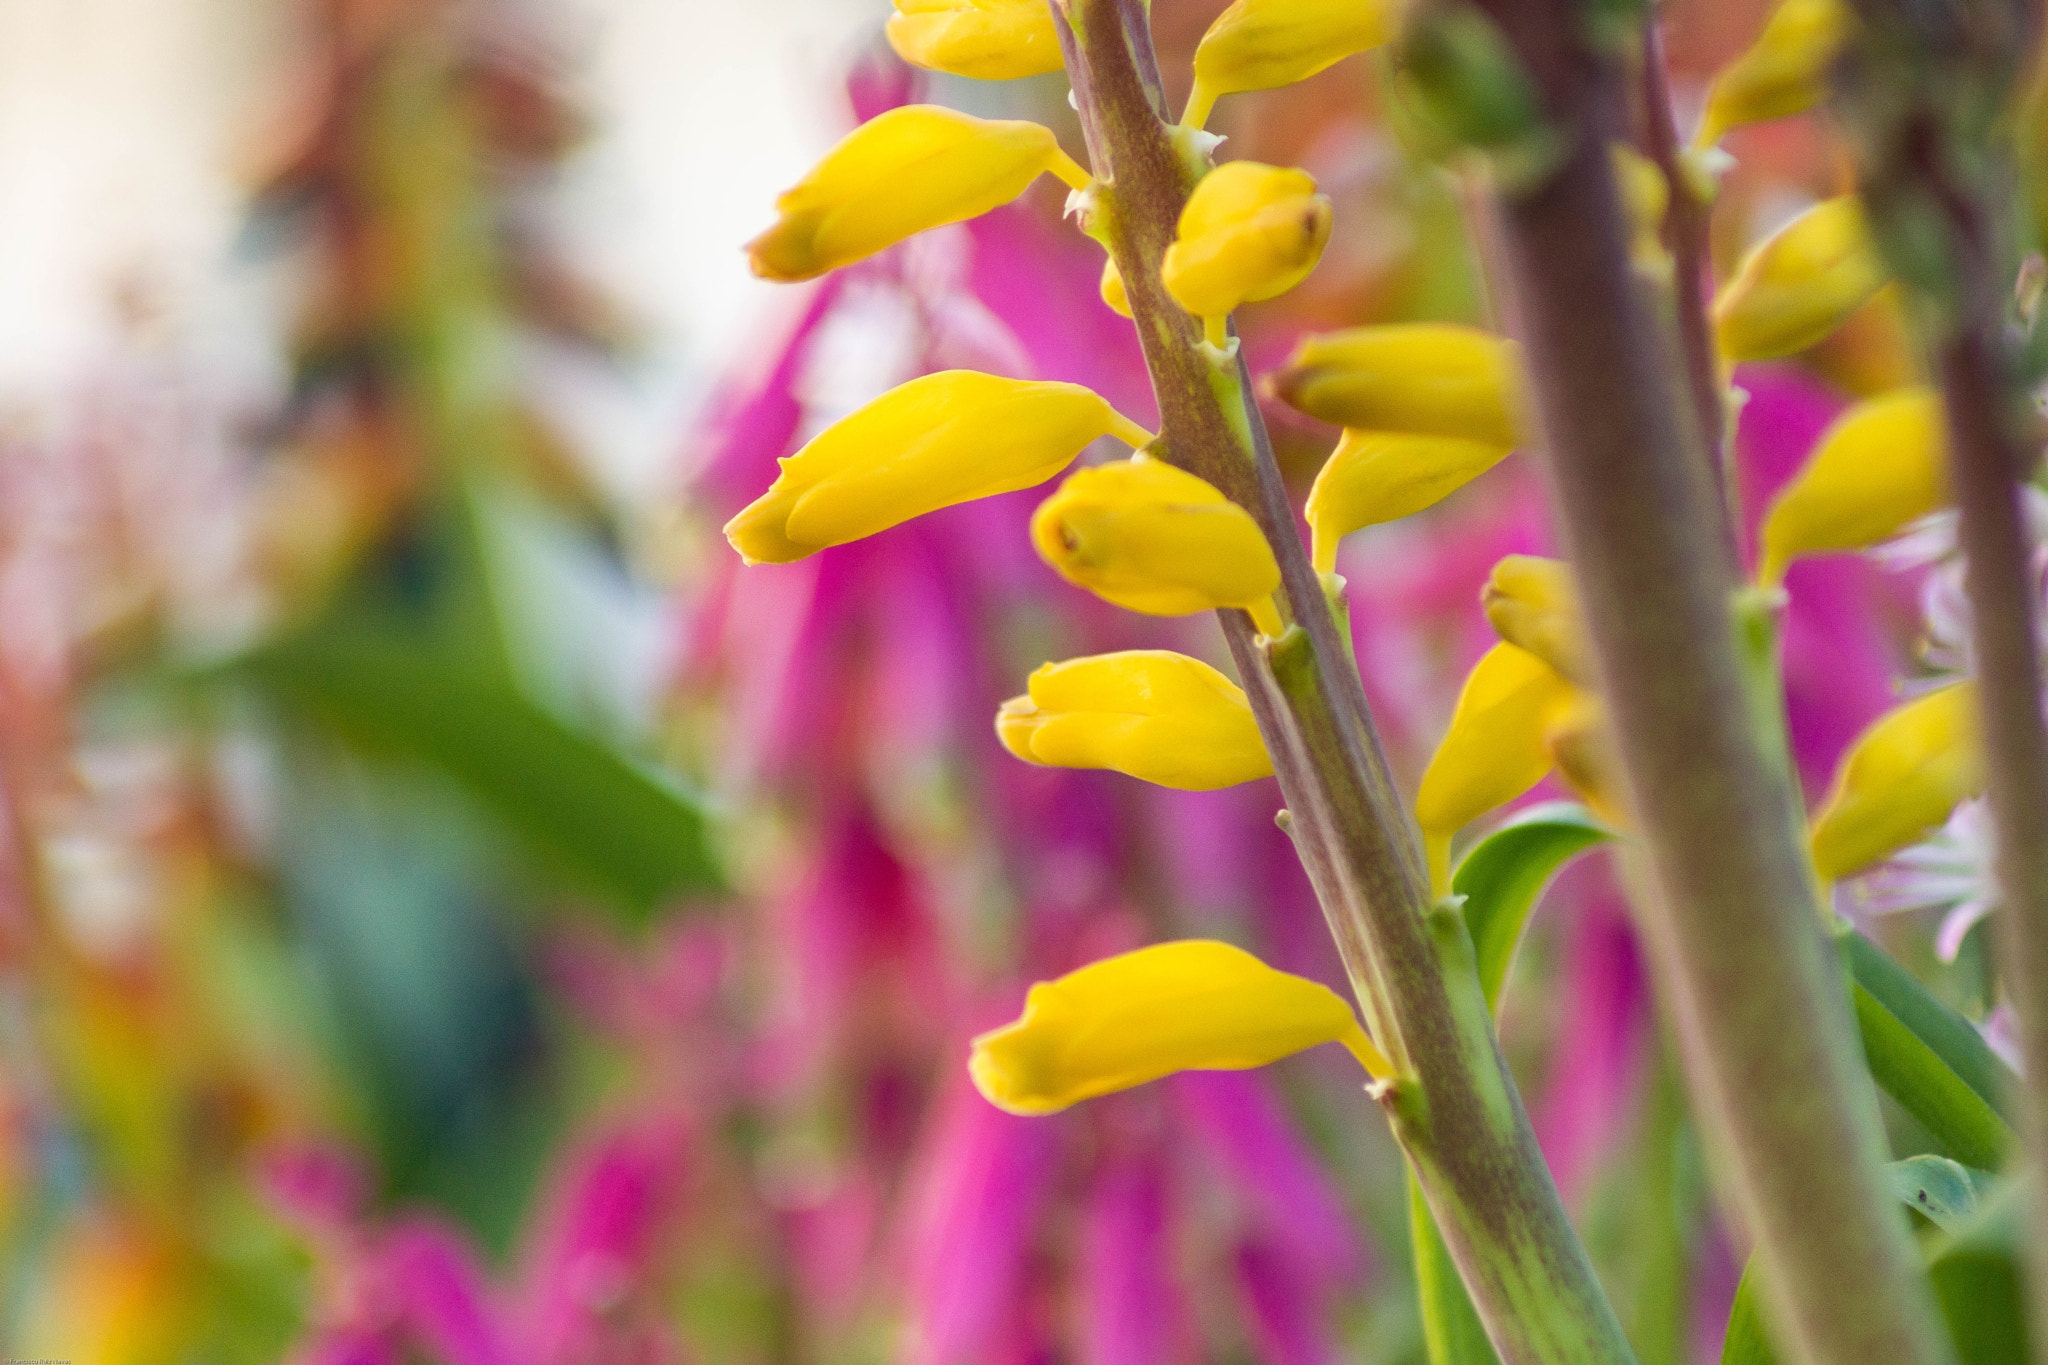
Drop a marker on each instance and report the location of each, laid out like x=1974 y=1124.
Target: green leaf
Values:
x=1747 y=1343
x=1942 y=1191
x=1450 y=1325
x=1975 y=1269
x=1505 y=873
x=594 y=816
x=1928 y=1058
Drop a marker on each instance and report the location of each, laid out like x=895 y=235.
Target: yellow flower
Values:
x=990 y=40
x=1532 y=603
x=938 y=440
x=1153 y=538
x=1258 y=44
x=1900 y=779
x=1376 y=476
x=1112 y=290
x=1647 y=197
x=1882 y=465
x=1430 y=378
x=1151 y=714
x=1195 y=1005
x=1494 y=750
x=1800 y=284
x=1580 y=744
x=1248 y=232
x=1784 y=72
x=897 y=174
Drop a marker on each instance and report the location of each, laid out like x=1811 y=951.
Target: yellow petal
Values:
x=1153 y=538
x=989 y=40
x=1900 y=779
x=1112 y=290
x=1195 y=1005
x=1582 y=747
x=938 y=440
x=1784 y=72
x=1248 y=232
x=1376 y=476
x=1258 y=44
x=897 y=174
x=1881 y=466
x=1151 y=714
x=1429 y=378
x=1646 y=195
x=1532 y=603
x=1494 y=750
x=1799 y=284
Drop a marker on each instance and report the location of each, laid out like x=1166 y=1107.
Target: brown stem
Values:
x=1751 y=984
x=1455 y=1109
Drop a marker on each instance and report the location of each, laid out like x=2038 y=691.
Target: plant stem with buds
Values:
x=1452 y=1105
x=1751 y=984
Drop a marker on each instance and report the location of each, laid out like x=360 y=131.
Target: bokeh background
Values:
x=449 y=914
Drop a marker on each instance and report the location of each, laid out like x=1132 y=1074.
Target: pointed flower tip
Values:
x=938 y=440
x=1801 y=283
x=1532 y=603
x=989 y=40
x=1195 y=1005
x=1151 y=714
x=1900 y=779
x=1248 y=232
x=1155 y=539
x=1495 y=748
x=1426 y=379
x=1379 y=476
x=1881 y=466
x=912 y=168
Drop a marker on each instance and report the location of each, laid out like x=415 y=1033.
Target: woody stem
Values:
x=1734 y=931
x=1454 y=1107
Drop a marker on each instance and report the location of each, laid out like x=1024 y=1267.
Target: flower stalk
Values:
x=1452 y=1103
x=1734 y=931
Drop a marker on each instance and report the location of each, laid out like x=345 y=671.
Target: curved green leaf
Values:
x=1942 y=1191
x=1949 y=1036
x=1451 y=1329
x=1746 y=1342
x=1505 y=873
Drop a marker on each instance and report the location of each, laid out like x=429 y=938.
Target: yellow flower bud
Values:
x=897 y=174
x=1800 y=284
x=938 y=440
x=1900 y=779
x=1153 y=538
x=1151 y=714
x=1196 y=1005
x=1112 y=289
x=1646 y=196
x=1494 y=750
x=1376 y=476
x=1784 y=72
x=989 y=40
x=1258 y=44
x=1582 y=747
x=1882 y=465
x=1248 y=232
x=1430 y=378
x=1532 y=603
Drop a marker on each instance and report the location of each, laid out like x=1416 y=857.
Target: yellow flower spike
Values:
x=1580 y=744
x=1494 y=750
x=1376 y=476
x=1151 y=714
x=938 y=440
x=989 y=40
x=1112 y=290
x=1258 y=44
x=1195 y=1005
x=1901 y=778
x=1430 y=378
x=1248 y=232
x=1646 y=195
x=1532 y=603
x=897 y=174
x=1784 y=72
x=1799 y=284
x=1153 y=538
x=1881 y=466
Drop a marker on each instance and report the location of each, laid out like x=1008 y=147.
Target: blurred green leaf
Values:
x=1976 y=1272
x=1746 y=1342
x=1942 y=1191
x=1450 y=1325
x=1505 y=873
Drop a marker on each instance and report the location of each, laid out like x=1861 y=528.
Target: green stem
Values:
x=1734 y=932
x=1455 y=1110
